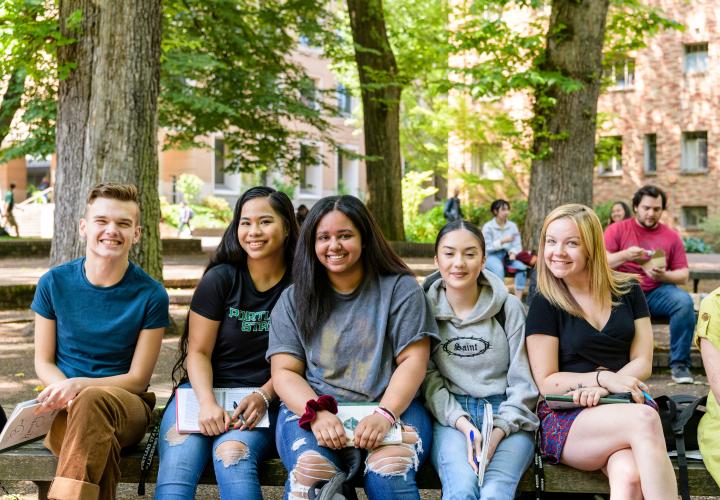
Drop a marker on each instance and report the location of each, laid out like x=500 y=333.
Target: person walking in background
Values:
x=186 y=214
x=619 y=211
x=7 y=211
x=502 y=238
x=301 y=213
x=630 y=245
x=452 y=210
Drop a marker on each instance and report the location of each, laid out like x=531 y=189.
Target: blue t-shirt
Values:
x=97 y=328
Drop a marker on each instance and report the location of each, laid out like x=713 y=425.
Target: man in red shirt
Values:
x=632 y=242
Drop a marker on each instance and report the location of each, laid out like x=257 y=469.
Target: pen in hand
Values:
x=472 y=443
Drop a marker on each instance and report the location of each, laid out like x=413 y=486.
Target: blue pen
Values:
x=647 y=396
x=472 y=440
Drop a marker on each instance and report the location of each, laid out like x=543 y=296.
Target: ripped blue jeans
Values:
x=389 y=470
x=183 y=458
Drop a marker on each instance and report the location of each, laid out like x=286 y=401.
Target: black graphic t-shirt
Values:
x=227 y=294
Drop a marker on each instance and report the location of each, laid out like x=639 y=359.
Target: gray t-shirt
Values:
x=352 y=357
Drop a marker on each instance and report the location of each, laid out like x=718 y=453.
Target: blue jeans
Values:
x=183 y=458
x=505 y=470
x=676 y=304
x=495 y=265
x=293 y=441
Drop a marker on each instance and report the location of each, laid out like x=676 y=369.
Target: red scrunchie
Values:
x=313 y=406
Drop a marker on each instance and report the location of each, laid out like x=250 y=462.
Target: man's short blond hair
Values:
x=114 y=191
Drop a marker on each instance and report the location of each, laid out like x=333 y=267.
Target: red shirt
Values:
x=629 y=232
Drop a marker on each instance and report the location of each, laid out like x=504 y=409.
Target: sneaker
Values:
x=681 y=374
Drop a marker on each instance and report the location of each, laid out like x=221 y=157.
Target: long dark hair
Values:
x=313 y=293
x=229 y=251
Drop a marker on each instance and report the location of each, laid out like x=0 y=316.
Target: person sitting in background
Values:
x=707 y=338
x=630 y=244
x=503 y=242
x=301 y=214
x=619 y=211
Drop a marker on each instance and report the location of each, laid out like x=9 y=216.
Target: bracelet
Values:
x=324 y=402
x=597 y=378
x=388 y=412
x=263 y=395
x=388 y=416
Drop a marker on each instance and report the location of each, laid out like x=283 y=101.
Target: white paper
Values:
x=350 y=414
x=487 y=428
x=689 y=454
x=24 y=425
x=188 y=407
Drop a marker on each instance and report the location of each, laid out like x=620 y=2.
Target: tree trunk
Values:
x=107 y=118
x=564 y=122
x=381 y=91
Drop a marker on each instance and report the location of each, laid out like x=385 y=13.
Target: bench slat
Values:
x=32 y=462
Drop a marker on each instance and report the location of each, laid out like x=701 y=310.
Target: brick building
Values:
x=664 y=117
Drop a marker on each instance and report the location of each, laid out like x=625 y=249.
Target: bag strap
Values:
x=151 y=449
x=538 y=470
x=687 y=412
x=683 y=486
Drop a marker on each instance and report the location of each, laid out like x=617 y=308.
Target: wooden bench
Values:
x=32 y=462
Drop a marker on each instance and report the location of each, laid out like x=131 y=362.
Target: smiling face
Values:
x=564 y=252
x=338 y=246
x=617 y=213
x=110 y=228
x=261 y=231
x=648 y=211
x=460 y=259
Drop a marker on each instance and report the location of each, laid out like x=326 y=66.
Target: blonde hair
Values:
x=604 y=282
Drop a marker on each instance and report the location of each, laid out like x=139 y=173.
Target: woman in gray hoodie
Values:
x=481 y=358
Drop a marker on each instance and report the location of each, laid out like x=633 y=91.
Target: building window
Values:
x=650 y=154
x=486 y=161
x=691 y=217
x=622 y=74
x=694 y=152
x=344 y=100
x=340 y=165
x=219 y=162
x=696 y=57
x=608 y=155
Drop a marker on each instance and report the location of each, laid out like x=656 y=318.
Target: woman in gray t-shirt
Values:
x=354 y=328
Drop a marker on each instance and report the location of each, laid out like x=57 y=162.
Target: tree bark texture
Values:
x=564 y=122
x=107 y=118
x=381 y=91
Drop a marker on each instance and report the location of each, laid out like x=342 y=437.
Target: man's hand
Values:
x=59 y=395
x=635 y=254
x=658 y=274
x=512 y=256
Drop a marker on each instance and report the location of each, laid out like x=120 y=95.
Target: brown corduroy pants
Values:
x=87 y=438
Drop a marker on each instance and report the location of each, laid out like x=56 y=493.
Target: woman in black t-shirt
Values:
x=588 y=334
x=224 y=345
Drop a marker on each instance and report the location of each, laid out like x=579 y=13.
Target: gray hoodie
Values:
x=476 y=357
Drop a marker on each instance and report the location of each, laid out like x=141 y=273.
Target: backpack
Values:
x=432 y=278
x=3 y=418
x=680 y=415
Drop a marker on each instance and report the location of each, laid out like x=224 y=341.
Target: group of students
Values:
x=328 y=313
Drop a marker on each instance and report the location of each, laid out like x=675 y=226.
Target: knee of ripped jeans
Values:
x=397 y=459
x=230 y=452
x=310 y=468
x=174 y=438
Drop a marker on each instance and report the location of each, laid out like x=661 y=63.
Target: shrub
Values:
x=696 y=245
x=189 y=185
x=425 y=227
x=219 y=207
x=711 y=230
x=603 y=212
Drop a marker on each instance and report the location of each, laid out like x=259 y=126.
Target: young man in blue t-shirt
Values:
x=99 y=324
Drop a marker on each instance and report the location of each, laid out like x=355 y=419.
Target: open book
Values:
x=25 y=425
x=188 y=407
x=487 y=427
x=350 y=414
